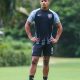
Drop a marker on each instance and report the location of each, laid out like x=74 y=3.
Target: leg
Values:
x=46 y=58
x=45 y=67
x=33 y=67
x=36 y=52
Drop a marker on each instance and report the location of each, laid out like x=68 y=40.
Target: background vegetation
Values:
x=15 y=48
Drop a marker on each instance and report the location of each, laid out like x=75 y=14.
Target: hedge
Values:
x=15 y=53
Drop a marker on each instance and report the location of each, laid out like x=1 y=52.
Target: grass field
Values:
x=60 y=69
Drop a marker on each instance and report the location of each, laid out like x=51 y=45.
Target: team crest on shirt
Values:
x=49 y=16
x=39 y=15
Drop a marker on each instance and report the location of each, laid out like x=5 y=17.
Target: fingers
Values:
x=34 y=39
x=53 y=40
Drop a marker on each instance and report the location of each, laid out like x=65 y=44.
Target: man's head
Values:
x=44 y=4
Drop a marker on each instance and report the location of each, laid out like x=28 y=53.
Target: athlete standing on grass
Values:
x=44 y=19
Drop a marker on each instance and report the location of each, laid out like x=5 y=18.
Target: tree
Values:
x=6 y=9
x=69 y=43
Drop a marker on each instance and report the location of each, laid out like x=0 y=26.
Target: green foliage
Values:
x=68 y=11
x=78 y=52
x=15 y=53
x=6 y=9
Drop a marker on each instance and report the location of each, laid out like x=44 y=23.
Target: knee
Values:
x=34 y=62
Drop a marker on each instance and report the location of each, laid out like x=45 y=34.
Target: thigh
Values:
x=47 y=50
x=36 y=50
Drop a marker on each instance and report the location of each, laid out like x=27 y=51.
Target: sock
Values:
x=31 y=77
x=44 y=78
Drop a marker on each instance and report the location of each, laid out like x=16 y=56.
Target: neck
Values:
x=44 y=8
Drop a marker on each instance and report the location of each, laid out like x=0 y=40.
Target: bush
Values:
x=15 y=53
x=78 y=52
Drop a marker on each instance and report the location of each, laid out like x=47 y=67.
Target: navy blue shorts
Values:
x=39 y=50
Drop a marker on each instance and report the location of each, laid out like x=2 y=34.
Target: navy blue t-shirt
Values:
x=44 y=23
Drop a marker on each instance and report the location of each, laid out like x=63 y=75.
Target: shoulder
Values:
x=56 y=17
x=32 y=15
x=53 y=12
x=34 y=11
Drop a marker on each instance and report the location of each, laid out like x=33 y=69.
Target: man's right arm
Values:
x=27 y=25
x=28 y=31
x=27 y=28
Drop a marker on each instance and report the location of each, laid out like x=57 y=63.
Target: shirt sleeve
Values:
x=56 y=18
x=31 y=16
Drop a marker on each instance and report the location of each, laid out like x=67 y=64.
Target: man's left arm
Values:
x=58 y=34
x=59 y=31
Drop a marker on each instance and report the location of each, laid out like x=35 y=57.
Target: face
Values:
x=44 y=4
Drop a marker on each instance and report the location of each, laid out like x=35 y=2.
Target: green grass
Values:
x=60 y=69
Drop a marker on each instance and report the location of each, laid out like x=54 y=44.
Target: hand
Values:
x=53 y=40
x=34 y=39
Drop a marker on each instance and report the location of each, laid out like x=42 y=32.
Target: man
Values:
x=44 y=19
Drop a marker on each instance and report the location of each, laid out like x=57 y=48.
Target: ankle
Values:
x=44 y=78
x=31 y=77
